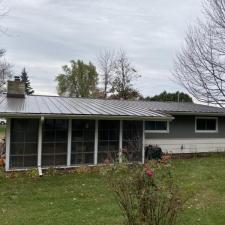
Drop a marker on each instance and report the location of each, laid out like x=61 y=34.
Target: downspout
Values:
x=40 y=171
x=40 y=146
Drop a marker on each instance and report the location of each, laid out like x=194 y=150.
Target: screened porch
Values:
x=50 y=142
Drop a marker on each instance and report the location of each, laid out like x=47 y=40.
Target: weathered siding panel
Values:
x=183 y=139
x=189 y=145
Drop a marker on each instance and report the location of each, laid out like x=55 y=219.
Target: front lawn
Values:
x=85 y=199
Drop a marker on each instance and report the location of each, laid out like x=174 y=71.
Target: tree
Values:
x=131 y=94
x=5 y=67
x=24 y=77
x=78 y=80
x=125 y=74
x=200 y=65
x=5 y=71
x=173 y=97
x=106 y=62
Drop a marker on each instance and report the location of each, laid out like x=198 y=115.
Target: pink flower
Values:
x=149 y=172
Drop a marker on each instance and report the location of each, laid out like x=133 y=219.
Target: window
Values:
x=132 y=140
x=206 y=124
x=23 y=145
x=157 y=126
x=108 y=140
x=54 y=146
x=83 y=139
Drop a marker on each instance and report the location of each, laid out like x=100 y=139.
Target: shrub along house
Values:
x=44 y=131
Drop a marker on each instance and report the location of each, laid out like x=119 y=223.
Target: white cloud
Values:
x=45 y=34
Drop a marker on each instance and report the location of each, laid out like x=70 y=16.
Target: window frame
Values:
x=206 y=131
x=159 y=131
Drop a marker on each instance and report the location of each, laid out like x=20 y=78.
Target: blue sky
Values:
x=43 y=35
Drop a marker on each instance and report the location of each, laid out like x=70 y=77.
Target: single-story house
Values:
x=44 y=131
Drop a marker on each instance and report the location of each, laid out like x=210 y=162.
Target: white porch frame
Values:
x=121 y=141
x=8 y=136
x=69 y=142
x=96 y=143
x=39 y=158
x=143 y=143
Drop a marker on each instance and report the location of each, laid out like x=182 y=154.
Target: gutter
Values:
x=68 y=116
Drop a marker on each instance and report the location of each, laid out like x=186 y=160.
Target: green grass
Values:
x=85 y=199
x=2 y=131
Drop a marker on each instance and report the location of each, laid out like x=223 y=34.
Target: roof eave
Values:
x=69 y=116
x=197 y=113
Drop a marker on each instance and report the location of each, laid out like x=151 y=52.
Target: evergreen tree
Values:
x=24 y=77
x=171 y=97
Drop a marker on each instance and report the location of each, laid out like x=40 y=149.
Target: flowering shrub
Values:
x=147 y=195
x=148 y=171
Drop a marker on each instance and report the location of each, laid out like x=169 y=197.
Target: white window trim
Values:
x=160 y=131
x=206 y=131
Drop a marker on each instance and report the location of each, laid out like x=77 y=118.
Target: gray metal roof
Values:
x=181 y=107
x=63 y=106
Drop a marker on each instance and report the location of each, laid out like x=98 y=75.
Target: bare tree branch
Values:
x=106 y=61
x=200 y=65
x=125 y=74
x=5 y=67
x=5 y=71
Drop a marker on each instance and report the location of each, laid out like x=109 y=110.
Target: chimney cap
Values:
x=17 y=78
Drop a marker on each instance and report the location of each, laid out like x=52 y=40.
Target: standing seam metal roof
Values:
x=55 y=105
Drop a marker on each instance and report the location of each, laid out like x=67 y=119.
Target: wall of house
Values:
x=182 y=137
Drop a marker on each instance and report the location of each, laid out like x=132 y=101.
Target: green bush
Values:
x=147 y=195
x=32 y=173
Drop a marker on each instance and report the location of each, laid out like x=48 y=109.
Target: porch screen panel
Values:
x=24 y=143
x=108 y=140
x=132 y=140
x=83 y=141
x=54 y=142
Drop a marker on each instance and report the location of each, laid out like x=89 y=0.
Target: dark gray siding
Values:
x=184 y=127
